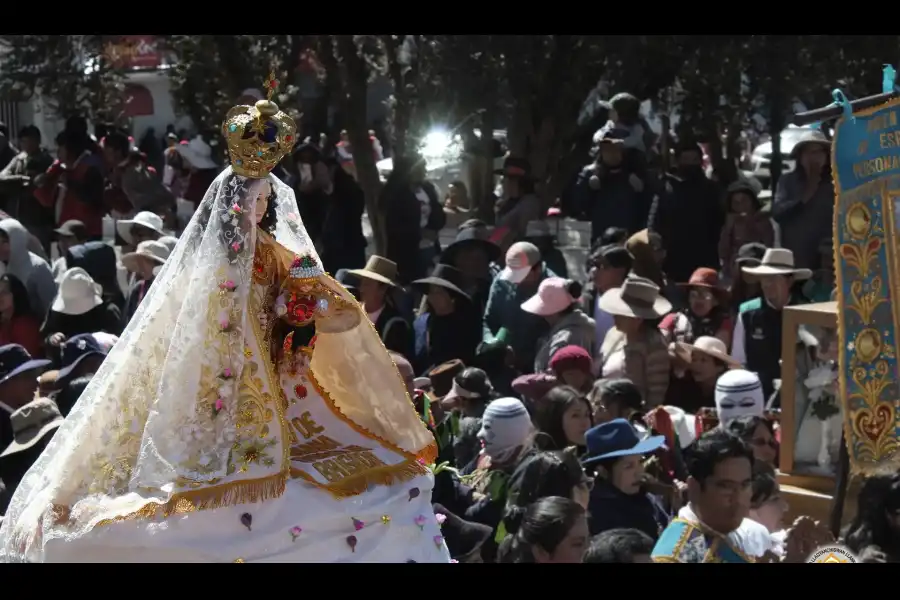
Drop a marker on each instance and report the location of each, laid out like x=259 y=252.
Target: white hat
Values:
x=170 y=241
x=145 y=218
x=198 y=153
x=778 y=261
x=153 y=250
x=78 y=293
x=520 y=259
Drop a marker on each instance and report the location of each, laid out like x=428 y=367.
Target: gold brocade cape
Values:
x=190 y=411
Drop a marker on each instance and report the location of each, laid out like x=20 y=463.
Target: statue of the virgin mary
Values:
x=249 y=412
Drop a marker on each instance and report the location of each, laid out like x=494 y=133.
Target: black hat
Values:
x=73 y=228
x=464 y=539
x=743 y=187
x=75 y=350
x=15 y=360
x=442 y=376
x=471 y=236
x=750 y=254
x=515 y=166
x=443 y=276
x=615 y=256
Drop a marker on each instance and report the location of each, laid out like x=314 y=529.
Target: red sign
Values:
x=134 y=52
x=138 y=101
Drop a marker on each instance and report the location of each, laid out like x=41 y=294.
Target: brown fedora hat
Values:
x=378 y=269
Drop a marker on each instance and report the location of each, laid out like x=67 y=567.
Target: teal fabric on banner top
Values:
x=867 y=146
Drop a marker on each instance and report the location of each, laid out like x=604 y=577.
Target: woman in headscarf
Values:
x=29 y=268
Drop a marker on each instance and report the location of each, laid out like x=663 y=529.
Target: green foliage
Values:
x=71 y=73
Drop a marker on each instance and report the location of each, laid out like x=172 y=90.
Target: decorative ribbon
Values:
x=841 y=100
x=889 y=76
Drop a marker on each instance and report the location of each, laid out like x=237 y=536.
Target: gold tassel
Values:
x=360 y=483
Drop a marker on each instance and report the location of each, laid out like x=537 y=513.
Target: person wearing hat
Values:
x=606 y=266
x=745 y=287
x=468 y=397
x=804 y=201
x=18 y=386
x=450 y=327
x=29 y=268
x=79 y=308
x=556 y=301
x=144 y=264
x=504 y=318
x=144 y=226
x=33 y=426
x=756 y=342
x=132 y=185
x=473 y=254
x=313 y=187
x=518 y=204
x=71 y=233
x=635 y=348
x=101 y=263
x=573 y=366
x=745 y=223
x=343 y=243
x=614 y=458
x=540 y=234
x=706 y=359
x=689 y=214
x=16 y=186
x=377 y=293
x=413 y=220
x=608 y=193
x=707 y=312
x=197 y=157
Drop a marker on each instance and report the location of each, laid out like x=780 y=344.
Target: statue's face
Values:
x=262 y=202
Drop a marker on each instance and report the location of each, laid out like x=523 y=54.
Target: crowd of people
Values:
x=604 y=419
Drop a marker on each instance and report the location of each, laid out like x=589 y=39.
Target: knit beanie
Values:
x=570 y=358
x=505 y=426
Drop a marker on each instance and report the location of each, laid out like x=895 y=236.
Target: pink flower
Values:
x=420 y=521
x=453 y=560
x=228 y=285
x=295 y=533
x=440 y=518
x=223 y=323
x=236 y=246
x=422 y=462
x=236 y=208
x=226 y=373
x=219 y=404
x=438 y=540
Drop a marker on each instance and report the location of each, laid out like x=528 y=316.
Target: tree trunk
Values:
x=482 y=184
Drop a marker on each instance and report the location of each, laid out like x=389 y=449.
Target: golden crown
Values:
x=258 y=136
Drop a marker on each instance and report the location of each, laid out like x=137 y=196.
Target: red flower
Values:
x=300 y=391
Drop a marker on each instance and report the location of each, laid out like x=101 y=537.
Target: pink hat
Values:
x=552 y=297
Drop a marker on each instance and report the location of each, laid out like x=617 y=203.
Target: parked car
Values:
x=445 y=158
x=761 y=158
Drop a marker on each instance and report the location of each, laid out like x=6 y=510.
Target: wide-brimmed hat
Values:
x=154 y=251
x=15 y=359
x=144 y=218
x=198 y=153
x=552 y=298
x=742 y=186
x=521 y=257
x=777 y=261
x=515 y=166
x=711 y=346
x=707 y=278
x=464 y=539
x=468 y=237
x=638 y=297
x=169 y=241
x=78 y=293
x=443 y=276
x=30 y=423
x=750 y=254
x=810 y=136
x=615 y=439
x=72 y=228
x=442 y=376
x=76 y=349
x=378 y=269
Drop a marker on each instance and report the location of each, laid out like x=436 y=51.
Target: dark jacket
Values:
x=611 y=509
x=105 y=317
x=136 y=294
x=617 y=203
x=404 y=232
x=14 y=466
x=689 y=219
x=762 y=341
x=343 y=242
x=803 y=224
x=99 y=260
x=395 y=330
x=440 y=339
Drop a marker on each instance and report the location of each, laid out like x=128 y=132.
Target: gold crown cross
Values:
x=271 y=84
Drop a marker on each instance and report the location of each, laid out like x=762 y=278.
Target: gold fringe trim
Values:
x=361 y=482
x=226 y=494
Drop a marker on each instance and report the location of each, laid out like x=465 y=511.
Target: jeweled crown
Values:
x=258 y=136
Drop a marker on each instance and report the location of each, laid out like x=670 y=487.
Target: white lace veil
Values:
x=123 y=448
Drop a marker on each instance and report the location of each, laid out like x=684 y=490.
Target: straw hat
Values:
x=78 y=293
x=638 y=297
x=711 y=346
x=378 y=269
x=153 y=250
x=778 y=261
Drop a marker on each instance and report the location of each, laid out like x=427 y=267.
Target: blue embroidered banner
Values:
x=866 y=167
